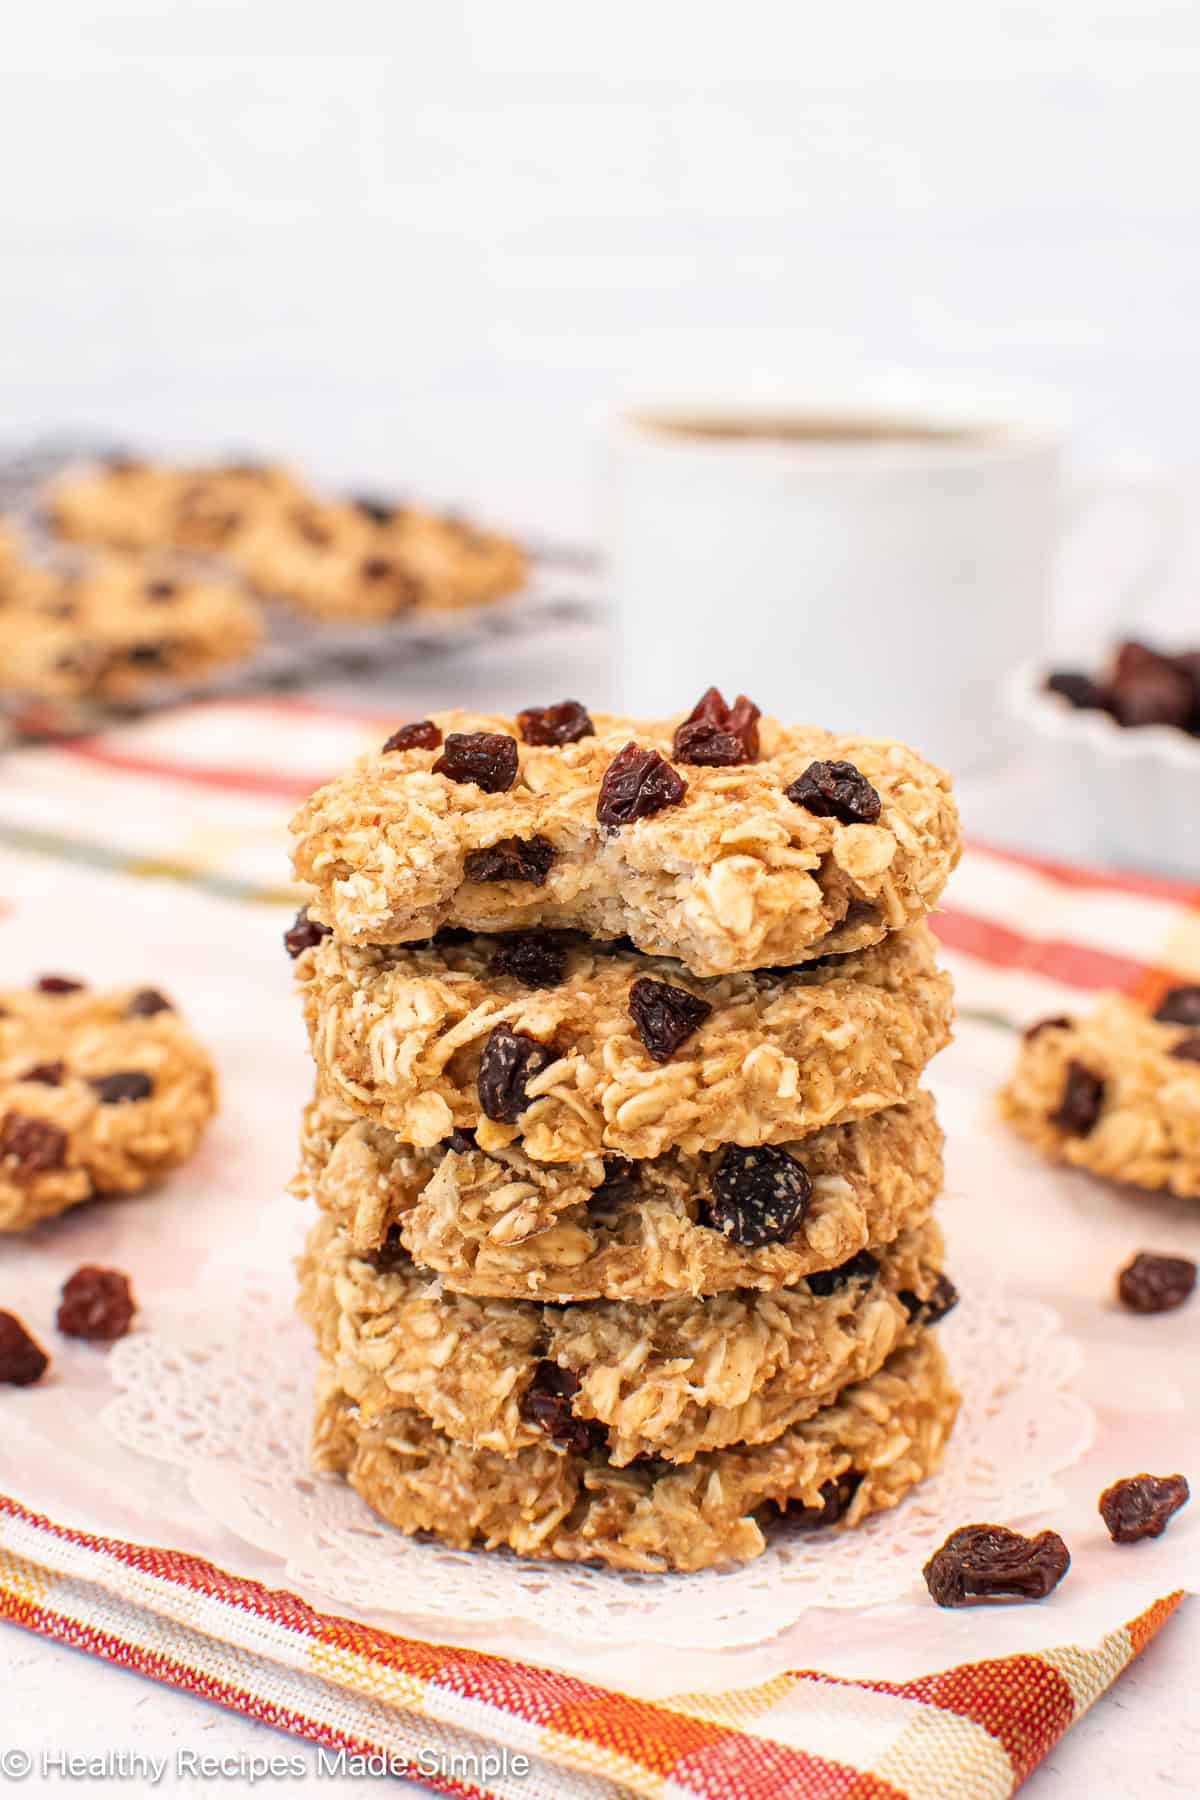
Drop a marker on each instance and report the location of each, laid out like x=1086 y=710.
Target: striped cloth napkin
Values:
x=202 y=796
x=520 y=1732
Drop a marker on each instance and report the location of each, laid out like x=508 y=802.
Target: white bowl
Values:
x=1138 y=785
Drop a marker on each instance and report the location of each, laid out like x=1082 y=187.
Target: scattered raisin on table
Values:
x=1154 y=1284
x=47 y=1074
x=510 y=1061
x=121 y=1086
x=1179 y=1006
x=1082 y=1100
x=836 y=1495
x=836 y=790
x=536 y=958
x=421 y=734
x=715 y=735
x=552 y=726
x=97 y=1304
x=1147 y=688
x=146 y=1002
x=303 y=933
x=60 y=984
x=487 y=758
x=941 y=1301
x=22 y=1359
x=665 y=1016
x=1140 y=1506
x=989 y=1562
x=759 y=1195
x=862 y=1267
x=546 y=1403
x=1075 y=687
x=1058 y=1022
x=35 y=1145
x=636 y=784
x=1187 y=1049
x=511 y=859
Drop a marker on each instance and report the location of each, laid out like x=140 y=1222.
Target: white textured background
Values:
x=430 y=242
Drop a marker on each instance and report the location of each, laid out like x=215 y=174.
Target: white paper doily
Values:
x=223 y=1392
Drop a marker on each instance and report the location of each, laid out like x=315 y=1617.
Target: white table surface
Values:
x=1143 y=1737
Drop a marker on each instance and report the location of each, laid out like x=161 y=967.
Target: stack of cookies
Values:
x=626 y=1248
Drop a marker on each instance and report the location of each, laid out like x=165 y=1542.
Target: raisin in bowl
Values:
x=1137 y=782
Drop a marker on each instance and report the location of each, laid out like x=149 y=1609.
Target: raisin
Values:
x=1179 y=1006
x=303 y=933
x=1082 y=1100
x=122 y=1086
x=1140 y=1506
x=1075 y=687
x=380 y=512
x=22 y=1359
x=160 y=591
x=59 y=984
x=823 y=1282
x=390 y=1255
x=511 y=859
x=565 y=723
x=636 y=784
x=665 y=1016
x=836 y=790
x=97 y=1304
x=620 y=1181
x=759 y=1195
x=715 y=735
x=1187 y=1049
x=405 y=589
x=146 y=1002
x=546 y=1403
x=1058 y=1022
x=421 y=734
x=989 y=1562
x=536 y=958
x=1159 y=697
x=47 y=1074
x=1148 y=689
x=942 y=1300
x=35 y=1145
x=1154 y=1284
x=836 y=1495
x=147 y=655
x=461 y=1141
x=510 y=1061
x=488 y=758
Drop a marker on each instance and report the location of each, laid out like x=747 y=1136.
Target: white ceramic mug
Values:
x=870 y=555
